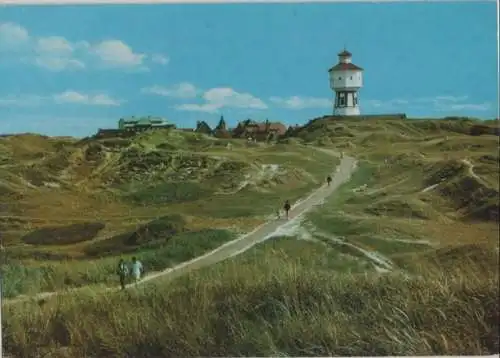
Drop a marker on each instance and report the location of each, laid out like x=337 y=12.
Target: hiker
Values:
x=122 y=273
x=287 y=208
x=328 y=180
x=137 y=269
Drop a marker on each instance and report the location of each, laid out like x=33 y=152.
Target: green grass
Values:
x=278 y=309
x=389 y=247
x=298 y=252
x=21 y=279
x=328 y=217
x=169 y=192
x=286 y=296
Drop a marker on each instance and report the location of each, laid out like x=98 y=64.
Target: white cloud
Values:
x=12 y=36
x=57 y=64
x=181 y=90
x=67 y=97
x=450 y=98
x=86 y=99
x=160 y=59
x=468 y=107
x=227 y=97
x=21 y=101
x=54 y=45
x=57 y=53
x=207 y=107
x=296 y=102
x=224 y=97
x=115 y=53
x=437 y=103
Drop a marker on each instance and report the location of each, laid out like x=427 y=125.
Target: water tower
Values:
x=345 y=80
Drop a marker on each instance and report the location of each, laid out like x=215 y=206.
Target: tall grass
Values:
x=20 y=279
x=277 y=309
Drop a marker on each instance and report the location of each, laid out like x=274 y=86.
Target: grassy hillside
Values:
x=70 y=208
x=401 y=260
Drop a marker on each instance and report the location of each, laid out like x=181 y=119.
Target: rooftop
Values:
x=345 y=53
x=344 y=67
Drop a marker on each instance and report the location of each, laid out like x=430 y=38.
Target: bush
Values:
x=154 y=233
x=161 y=228
x=64 y=235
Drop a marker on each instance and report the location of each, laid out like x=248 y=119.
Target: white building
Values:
x=346 y=79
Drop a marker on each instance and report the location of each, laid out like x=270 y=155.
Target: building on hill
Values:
x=243 y=128
x=203 y=127
x=222 y=133
x=143 y=123
x=222 y=124
x=345 y=80
x=129 y=126
x=221 y=130
x=259 y=130
x=274 y=129
x=292 y=130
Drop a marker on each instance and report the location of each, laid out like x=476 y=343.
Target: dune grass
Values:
x=283 y=308
x=291 y=297
x=19 y=278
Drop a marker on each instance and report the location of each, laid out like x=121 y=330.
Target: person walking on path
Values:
x=287 y=208
x=137 y=269
x=328 y=180
x=122 y=273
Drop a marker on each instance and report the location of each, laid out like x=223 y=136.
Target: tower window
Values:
x=341 y=99
x=340 y=78
x=351 y=77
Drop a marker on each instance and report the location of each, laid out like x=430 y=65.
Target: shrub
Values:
x=64 y=235
x=153 y=233
x=161 y=228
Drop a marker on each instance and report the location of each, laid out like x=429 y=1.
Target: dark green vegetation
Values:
x=157 y=254
x=63 y=235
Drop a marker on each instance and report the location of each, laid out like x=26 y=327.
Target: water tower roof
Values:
x=345 y=67
x=345 y=53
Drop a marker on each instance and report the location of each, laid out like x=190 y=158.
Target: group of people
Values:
x=134 y=270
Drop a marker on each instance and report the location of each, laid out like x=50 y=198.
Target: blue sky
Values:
x=68 y=70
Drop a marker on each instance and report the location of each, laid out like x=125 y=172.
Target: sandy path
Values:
x=240 y=245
